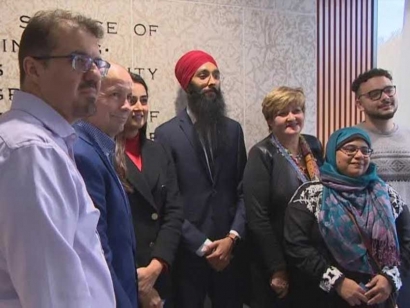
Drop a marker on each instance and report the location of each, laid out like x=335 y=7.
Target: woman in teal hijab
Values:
x=349 y=234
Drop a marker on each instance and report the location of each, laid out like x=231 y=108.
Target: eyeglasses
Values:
x=351 y=150
x=82 y=63
x=374 y=95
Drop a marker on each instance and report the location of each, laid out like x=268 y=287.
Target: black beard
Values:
x=209 y=111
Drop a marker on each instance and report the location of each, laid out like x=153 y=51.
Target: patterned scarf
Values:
x=310 y=161
x=367 y=199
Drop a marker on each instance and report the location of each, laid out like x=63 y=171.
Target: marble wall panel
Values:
x=258 y=44
x=13 y=18
x=280 y=49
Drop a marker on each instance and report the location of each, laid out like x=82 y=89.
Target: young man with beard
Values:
x=209 y=153
x=376 y=97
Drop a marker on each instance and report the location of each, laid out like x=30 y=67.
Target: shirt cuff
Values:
x=393 y=275
x=201 y=250
x=235 y=233
x=330 y=278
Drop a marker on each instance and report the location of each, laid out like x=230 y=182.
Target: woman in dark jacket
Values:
x=149 y=178
x=348 y=234
x=276 y=167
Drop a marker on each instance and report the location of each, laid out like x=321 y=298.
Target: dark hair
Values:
x=363 y=77
x=119 y=164
x=138 y=79
x=40 y=36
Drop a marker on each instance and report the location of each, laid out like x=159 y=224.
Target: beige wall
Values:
x=258 y=44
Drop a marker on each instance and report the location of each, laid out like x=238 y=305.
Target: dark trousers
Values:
x=194 y=279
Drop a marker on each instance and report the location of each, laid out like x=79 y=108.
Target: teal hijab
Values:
x=365 y=198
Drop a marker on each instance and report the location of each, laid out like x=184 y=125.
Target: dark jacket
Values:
x=115 y=224
x=156 y=209
x=213 y=205
x=269 y=183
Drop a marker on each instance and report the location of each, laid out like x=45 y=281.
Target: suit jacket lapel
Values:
x=108 y=165
x=138 y=180
x=189 y=131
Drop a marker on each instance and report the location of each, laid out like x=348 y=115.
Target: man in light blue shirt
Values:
x=50 y=252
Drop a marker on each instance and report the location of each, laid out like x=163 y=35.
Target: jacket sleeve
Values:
x=191 y=237
x=299 y=222
x=94 y=182
x=240 y=218
x=256 y=184
x=169 y=233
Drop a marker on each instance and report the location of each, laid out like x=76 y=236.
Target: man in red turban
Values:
x=189 y=63
x=209 y=154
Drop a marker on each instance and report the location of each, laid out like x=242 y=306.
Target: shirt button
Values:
x=154 y=216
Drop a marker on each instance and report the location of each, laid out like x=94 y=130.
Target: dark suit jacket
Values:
x=115 y=224
x=269 y=183
x=156 y=208
x=212 y=205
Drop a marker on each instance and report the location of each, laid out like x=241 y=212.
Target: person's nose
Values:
x=359 y=154
x=127 y=107
x=291 y=117
x=93 y=73
x=212 y=81
x=137 y=106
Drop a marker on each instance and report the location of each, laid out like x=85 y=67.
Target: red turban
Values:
x=188 y=64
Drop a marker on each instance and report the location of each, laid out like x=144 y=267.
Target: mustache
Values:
x=214 y=90
x=88 y=84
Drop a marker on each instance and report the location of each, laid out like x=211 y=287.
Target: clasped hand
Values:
x=379 y=290
x=219 y=253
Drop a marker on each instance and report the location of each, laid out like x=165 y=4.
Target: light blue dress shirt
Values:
x=50 y=253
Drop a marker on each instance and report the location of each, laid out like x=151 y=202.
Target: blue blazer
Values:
x=115 y=225
x=213 y=202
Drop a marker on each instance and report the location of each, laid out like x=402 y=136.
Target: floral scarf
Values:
x=310 y=161
x=366 y=198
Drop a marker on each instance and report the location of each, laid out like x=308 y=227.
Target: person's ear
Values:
x=32 y=68
x=359 y=104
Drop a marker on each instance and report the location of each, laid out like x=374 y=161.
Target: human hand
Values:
x=279 y=283
x=379 y=290
x=147 y=276
x=218 y=253
x=351 y=292
x=151 y=299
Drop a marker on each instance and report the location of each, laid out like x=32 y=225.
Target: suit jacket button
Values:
x=154 y=216
x=151 y=244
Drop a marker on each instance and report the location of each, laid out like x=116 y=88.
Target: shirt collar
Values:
x=191 y=115
x=105 y=142
x=44 y=113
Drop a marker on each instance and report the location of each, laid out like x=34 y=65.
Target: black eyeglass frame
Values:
x=379 y=93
